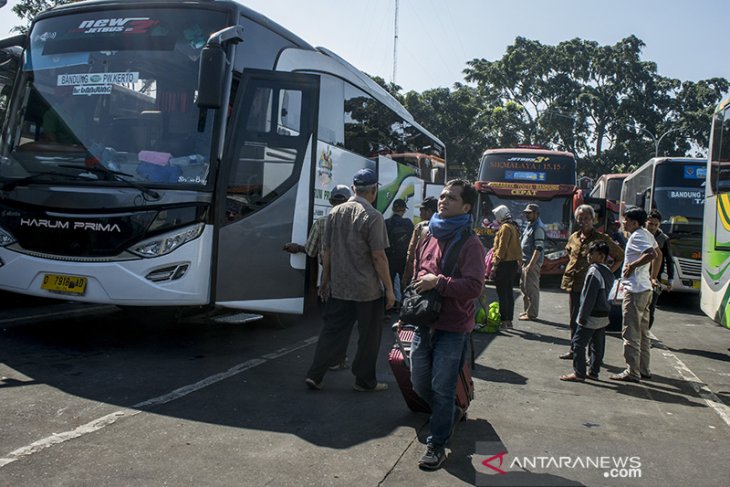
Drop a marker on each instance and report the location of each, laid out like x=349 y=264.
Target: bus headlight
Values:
x=166 y=243
x=5 y=238
x=556 y=255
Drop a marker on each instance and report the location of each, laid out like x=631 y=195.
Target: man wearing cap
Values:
x=426 y=209
x=400 y=230
x=355 y=285
x=313 y=249
x=533 y=246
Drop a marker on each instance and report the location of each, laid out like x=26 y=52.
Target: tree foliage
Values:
x=27 y=9
x=603 y=103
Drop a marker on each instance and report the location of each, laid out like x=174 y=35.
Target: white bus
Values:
x=715 y=290
x=674 y=186
x=160 y=153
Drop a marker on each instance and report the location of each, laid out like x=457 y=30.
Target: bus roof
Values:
x=417 y=155
x=228 y=5
x=666 y=160
x=528 y=151
x=606 y=177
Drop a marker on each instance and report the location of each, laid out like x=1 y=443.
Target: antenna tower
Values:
x=395 y=43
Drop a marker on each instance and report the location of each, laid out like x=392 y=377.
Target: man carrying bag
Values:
x=438 y=349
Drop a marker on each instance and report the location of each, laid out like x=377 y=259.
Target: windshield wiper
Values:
x=24 y=181
x=116 y=176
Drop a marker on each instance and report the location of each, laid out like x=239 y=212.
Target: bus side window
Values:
x=723 y=154
x=268 y=145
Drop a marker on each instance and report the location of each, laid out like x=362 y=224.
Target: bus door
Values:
x=265 y=192
x=10 y=52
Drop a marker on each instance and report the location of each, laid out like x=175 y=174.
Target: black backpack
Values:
x=400 y=231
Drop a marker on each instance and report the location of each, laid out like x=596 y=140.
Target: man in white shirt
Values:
x=641 y=250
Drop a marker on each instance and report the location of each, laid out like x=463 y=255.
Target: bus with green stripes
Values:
x=715 y=289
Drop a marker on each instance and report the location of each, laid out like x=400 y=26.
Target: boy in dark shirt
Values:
x=592 y=315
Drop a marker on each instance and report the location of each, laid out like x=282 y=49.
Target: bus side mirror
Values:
x=212 y=70
x=211 y=76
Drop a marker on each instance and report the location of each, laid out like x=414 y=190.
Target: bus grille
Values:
x=69 y=258
x=689 y=268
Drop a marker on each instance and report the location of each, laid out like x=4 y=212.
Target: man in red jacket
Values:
x=438 y=350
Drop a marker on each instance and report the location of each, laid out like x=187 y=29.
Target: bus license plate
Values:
x=695 y=284
x=64 y=284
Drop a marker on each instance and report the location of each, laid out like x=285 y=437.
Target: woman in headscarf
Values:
x=507 y=257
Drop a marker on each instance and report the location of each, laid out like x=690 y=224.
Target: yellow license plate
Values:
x=64 y=284
x=695 y=284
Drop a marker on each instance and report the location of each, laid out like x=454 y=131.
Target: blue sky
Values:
x=685 y=38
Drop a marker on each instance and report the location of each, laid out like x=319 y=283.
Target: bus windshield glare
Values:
x=111 y=93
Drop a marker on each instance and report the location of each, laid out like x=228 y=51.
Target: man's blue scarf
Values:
x=449 y=229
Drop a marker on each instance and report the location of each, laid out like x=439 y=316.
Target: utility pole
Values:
x=656 y=140
x=395 y=43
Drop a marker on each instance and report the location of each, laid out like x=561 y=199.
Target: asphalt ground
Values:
x=142 y=399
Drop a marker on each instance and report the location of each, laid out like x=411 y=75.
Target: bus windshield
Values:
x=113 y=89
x=528 y=168
x=553 y=213
x=679 y=192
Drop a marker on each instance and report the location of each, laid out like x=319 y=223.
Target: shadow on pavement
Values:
x=684 y=303
x=528 y=335
x=525 y=479
x=489 y=374
x=550 y=323
x=5 y=383
x=724 y=357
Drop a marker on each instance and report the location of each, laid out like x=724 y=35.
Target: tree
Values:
x=28 y=9
x=599 y=102
x=451 y=114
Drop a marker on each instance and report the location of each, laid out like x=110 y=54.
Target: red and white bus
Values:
x=516 y=177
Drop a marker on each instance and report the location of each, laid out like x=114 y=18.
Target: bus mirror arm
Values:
x=212 y=69
x=232 y=35
x=18 y=40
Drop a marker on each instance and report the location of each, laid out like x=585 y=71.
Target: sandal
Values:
x=572 y=378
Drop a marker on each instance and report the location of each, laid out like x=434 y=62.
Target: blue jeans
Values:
x=596 y=340
x=436 y=359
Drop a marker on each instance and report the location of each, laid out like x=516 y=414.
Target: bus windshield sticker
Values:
x=695 y=172
x=525 y=176
x=534 y=187
x=79 y=79
x=92 y=90
x=129 y=25
x=697 y=196
x=525 y=163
